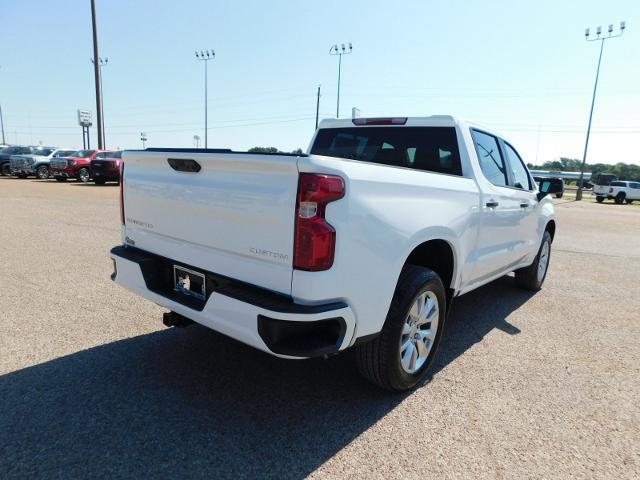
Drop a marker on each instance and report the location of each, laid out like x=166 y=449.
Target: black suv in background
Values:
x=105 y=167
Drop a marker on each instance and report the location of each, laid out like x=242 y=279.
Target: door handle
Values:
x=524 y=205
x=492 y=204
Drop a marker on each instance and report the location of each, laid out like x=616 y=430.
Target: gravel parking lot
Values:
x=526 y=386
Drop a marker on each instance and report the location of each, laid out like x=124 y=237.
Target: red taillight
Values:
x=380 y=121
x=122 y=193
x=314 y=239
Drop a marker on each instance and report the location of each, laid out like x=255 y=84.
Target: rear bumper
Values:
x=260 y=318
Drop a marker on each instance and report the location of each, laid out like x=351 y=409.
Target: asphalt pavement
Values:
x=526 y=385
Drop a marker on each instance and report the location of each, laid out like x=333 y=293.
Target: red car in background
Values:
x=105 y=167
x=77 y=165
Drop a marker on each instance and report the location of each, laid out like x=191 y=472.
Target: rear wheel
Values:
x=400 y=357
x=619 y=198
x=99 y=181
x=629 y=201
x=42 y=172
x=532 y=277
x=61 y=179
x=83 y=175
x=599 y=199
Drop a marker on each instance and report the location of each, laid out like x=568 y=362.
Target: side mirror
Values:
x=550 y=185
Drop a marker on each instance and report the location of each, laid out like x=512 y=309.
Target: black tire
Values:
x=528 y=277
x=6 y=169
x=42 y=172
x=84 y=175
x=629 y=202
x=61 y=179
x=619 y=199
x=559 y=195
x=379 y=360
x=599 y=199
x=21 y=175
x=99 y=181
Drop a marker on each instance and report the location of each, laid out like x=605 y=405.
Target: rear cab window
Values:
x=431 y=149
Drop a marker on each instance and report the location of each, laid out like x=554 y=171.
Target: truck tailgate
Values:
x=235 y=216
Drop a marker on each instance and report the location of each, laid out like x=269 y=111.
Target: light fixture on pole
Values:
x=196 y=140
x=143 y=138
x=205 y=56
x=340 y=51
x=598 y=38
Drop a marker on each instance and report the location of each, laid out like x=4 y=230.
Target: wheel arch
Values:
x=439 y=255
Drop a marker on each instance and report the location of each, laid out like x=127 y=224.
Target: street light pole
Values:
x=339 y=51
x=205 y=57
x=2 y=125
x=102 y=63
x=318 y=106
x=96 y=72
x=595 y=88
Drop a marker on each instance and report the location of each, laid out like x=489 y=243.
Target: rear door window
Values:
x=491 y=161
x=432 y=149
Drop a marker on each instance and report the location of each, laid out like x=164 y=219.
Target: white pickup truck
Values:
x=618 y=191
x=363 y=242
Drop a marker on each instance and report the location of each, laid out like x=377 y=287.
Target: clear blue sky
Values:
x=514 y=66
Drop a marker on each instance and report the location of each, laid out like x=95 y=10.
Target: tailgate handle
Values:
x=184 y=165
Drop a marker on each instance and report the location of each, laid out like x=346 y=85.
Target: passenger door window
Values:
x=520 y=177
x=490 y=158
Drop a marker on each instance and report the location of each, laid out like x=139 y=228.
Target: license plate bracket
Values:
x=189 y=282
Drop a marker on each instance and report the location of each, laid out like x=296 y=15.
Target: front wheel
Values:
x=6 y=169
x=83 y=175
x=532 y=277
x=559 y=195
x=400 y=357
x=599 y=199
x=42 y=172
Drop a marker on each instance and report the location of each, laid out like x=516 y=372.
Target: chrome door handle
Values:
x=492 y=204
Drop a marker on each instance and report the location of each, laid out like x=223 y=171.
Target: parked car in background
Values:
x=620 y=191
x=37 y=163
x=105 y=167
x=558 y=182
x=5 y=157
x=363 y=243
x=77 y=165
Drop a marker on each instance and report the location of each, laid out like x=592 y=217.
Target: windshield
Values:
x=45 y=152
x=15 y=150
x=83 y=153
x=434 y=149
x=117 y=154
x=63 y=153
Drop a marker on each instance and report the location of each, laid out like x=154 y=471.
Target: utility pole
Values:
x=143 y=138
x=334 y=50
x=205 y=57
x=318 y=106
x=595 y=88
x=102 y=63
x=2 y=125
x=96 y=72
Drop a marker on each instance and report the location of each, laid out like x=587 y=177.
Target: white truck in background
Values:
x=363 y=242
x=619 y=191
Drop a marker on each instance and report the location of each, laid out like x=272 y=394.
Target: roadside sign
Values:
x=84 y=118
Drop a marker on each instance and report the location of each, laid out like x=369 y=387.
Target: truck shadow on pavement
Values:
x=191 y=403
